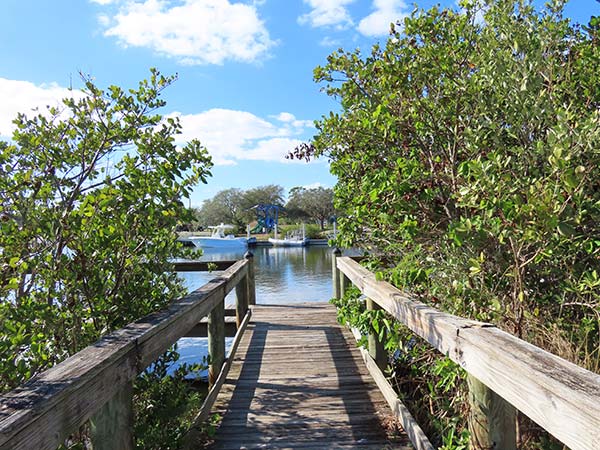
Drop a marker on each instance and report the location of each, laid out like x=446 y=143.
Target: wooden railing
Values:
x=96 y=383
x=504 y=372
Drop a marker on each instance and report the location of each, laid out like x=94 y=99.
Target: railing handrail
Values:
x=42 y=412
x=560 y=396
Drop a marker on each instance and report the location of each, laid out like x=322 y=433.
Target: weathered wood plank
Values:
x=201 y=329
x=281 y=393
x=112 y=426
x=376 y=346
x=212 y=395
x=44 y=411
x=249 y=256
x=194 y=435
x=436 y=327
x=492 y=420
x=241 y=300
x=216 y=341
x=335 y=273
x=559 y=396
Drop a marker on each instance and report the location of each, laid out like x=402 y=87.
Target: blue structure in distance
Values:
x=267 y=216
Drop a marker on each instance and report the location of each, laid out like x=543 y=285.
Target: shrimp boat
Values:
x=292 y=239
x=218 y=239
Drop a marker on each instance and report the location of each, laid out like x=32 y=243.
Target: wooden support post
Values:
x=492 y=420
x=376 y=346
x=251 y=284
x=335 y=273
x=216 y=341
x=112 y=426
x=241 y=302
x=344 y=284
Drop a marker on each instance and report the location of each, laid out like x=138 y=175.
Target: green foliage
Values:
x=311 y=231
x=311 y=204
x=90 y=196
x=469 y=150
x=234 y=206
x=430 y=384
x=165 y=405
x=467 y=159
x=90 y=199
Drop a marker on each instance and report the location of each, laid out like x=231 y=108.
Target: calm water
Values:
x=283 y=276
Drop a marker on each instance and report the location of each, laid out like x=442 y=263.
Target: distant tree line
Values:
x=237 y=207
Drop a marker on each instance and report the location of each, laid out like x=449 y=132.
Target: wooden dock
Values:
x=298 y=381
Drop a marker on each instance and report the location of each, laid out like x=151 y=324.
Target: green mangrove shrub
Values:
x=90 y=195
x=466 y=151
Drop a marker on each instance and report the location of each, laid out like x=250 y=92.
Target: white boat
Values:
x=293 y=239
x=218 y=239
x=289 y=242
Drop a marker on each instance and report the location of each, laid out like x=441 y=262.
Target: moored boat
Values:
x=218 y=239
x=293 y=239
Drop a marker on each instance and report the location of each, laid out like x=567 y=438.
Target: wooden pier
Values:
x=295 y=378
x=299 y=381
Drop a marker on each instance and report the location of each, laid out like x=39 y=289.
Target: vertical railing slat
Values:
x=216 y=341
x=335 y=272
x=241 y=302
x=251 y=281
x=112 y=426
x=492 y=420
x=376 y=345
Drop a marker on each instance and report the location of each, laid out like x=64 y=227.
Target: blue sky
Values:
x=245 y=84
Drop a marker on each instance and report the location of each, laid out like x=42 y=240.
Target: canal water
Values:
x=283 y=275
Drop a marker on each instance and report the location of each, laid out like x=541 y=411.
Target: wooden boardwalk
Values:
x=298 y=381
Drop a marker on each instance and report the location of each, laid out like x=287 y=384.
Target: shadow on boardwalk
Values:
x=302 y=384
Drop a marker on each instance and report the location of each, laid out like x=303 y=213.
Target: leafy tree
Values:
x=224 y=207
x=271 y=194
x=311 y=204
x=90 y=197
x=234 y=206
x=467 y=160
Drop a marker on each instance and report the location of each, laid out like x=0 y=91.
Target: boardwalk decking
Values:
x=302 y=384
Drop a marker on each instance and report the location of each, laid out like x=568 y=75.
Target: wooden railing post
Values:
x=251 y=284
x=241 y=302
x=335 y=273
x=216 y=341
x=492 y=420
x=344 y=284
x=112 y=426
x=376 y=346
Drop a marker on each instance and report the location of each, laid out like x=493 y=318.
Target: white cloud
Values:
x=26 y=97
x=330 y=42
x=103 y=20
x=104 y=2
x=327 y=13
x=229 y=135
x=315 y=186
x=192 y=31
x=273 y=149
x=232 y=135
x=290 y=119
x=378 y=22
x=285 y=117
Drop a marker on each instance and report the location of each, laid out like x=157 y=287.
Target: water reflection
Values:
x=283 y=274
